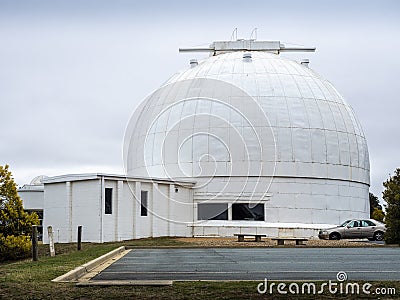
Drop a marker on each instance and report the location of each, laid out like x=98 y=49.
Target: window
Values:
x=250 y=212
x=367 y=223
x=40 y=226
x=354 y=224
x=143 y=203
x=108 y=201
x=212 y=211
x=345 y=223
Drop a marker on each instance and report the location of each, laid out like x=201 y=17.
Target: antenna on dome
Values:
x=254 y=31
x=234 y=35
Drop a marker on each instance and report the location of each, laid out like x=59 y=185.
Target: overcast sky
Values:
x=72 y=72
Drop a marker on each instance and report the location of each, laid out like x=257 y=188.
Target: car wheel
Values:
x=334 y=236
x=378 y=236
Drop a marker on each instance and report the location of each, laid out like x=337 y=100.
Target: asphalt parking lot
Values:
x=255 y=264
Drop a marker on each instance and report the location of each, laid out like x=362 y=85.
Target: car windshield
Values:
x=345 y=223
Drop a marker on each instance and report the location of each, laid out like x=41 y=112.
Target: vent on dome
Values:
x=305 y=62
x=247 y=57
x=193 y=63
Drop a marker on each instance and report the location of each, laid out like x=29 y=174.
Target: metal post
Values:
x=51 y=241
x=79 y=237
x=34 y=243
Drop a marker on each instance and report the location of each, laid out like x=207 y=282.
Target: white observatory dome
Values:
x=38 y=180
x=255 y=127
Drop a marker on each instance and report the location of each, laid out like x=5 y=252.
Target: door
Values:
x=353 y=230
x=368 y=228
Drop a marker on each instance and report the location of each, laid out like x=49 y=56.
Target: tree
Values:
x=391 y=195
x=15 y=223
x=378 y=215
x=375 y=209
x=373 y=203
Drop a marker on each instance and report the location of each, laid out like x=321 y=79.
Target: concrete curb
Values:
x=75 y=274
x=261 y=245
x=126 y=282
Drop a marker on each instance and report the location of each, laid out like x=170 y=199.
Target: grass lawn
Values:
x=32 y=280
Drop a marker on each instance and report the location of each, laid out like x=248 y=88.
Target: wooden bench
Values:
x=281 y=241
x=242 y=235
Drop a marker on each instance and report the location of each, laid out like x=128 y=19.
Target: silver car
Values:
x=355 y=229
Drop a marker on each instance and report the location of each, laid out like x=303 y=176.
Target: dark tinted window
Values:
x=108 y=201
x=245 y=211
x=212 y=211
x=143 y=203
x=355 y=224
x=40 y=227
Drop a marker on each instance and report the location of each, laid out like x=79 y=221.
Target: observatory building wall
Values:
x=116 y=208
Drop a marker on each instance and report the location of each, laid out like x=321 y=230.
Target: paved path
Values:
x=255 y=264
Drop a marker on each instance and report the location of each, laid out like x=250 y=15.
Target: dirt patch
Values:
x=267 y=242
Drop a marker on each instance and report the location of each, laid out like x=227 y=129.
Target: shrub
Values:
x=14 y=247
x=15 y=223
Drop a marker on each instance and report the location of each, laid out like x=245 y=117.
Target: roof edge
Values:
x=93 y=176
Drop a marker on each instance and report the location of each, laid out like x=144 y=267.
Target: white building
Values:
x=111 y=207
x=256 y=143
x=33 y=199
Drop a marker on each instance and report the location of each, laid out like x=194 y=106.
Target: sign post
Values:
x=51 y=241
x=34 y=243
x=79 y=237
